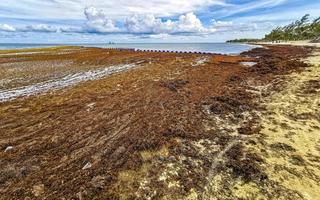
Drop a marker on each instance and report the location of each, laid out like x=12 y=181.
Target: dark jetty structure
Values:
x=161 y=51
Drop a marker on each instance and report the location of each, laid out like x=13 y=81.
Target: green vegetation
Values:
x=243 y=40
x=302 y=29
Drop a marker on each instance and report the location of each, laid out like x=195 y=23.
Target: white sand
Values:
x=295 y=43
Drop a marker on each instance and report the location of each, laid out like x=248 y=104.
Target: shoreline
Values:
x=294 y=43
x=180 y=126
x=201 y=48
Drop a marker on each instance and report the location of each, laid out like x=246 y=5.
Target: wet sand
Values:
x=175 y=126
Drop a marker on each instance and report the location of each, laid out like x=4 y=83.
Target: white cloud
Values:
x=147 y=26
x=7 y=28
x=116 y=9
x=39 y=28
x=221 y=24
x=188 y=23
x=159 y=36
x=71 y=29
x=44 y=28
x=97 y=21
x=154 y=36
x=143 y=24
x=230 y=26
x=151 y=19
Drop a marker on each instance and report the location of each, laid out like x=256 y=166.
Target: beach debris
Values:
x=118 y=152
x=90 y=106
x=174 y=85
x=311 y=87
x=199 y=61
x=87 y=166
x=98 y=182
x=38 y=190
x=248 y=64
x=282 y=146
x=8 y=148
x=225 y=104
x=297 y=160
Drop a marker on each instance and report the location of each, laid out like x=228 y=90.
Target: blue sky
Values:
x=94 y=21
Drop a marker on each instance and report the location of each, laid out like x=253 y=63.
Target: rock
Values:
x=87 y=166
x=9 y=148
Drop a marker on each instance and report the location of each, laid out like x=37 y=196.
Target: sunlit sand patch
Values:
x=134 y=183
x=228 y=125
x=48 y=51
x=291 y=129
x=314 y=59
x=149 y=155
x=248 y=64
x=140 y=183
x=20 y=53
x=200 y=61
x=246 y=191
x=66 y=81
x=42 y=49
x=36 y=52
x=161 y=172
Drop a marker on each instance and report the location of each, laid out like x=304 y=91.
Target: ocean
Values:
x=222 y=48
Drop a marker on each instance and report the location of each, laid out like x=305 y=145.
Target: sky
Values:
x=129 y=21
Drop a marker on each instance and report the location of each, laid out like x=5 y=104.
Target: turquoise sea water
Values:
x=223 y=48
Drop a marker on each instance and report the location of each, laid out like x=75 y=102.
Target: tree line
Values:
x=303 y=29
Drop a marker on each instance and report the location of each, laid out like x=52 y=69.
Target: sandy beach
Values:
x=92 y=123
x=294 y=43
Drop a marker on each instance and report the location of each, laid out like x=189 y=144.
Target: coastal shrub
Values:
x=303 y=29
